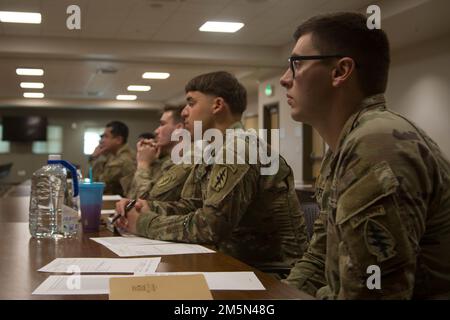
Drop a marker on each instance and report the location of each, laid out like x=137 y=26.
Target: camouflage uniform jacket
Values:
x=141 y=181
x=252 y=217
x=384 y=197
x=111 y=168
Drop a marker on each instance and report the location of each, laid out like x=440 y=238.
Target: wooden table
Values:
x=21 y=255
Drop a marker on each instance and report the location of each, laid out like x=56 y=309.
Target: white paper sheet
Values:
x=74 y=285
x=236 y=280
x=102 y=265
x=99 y=284
x=158 y=249
x=114 y=197
x=126 y=241
x=108 y=211
x=132 y=246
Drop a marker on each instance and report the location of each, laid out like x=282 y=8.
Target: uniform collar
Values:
x=236 y=125
x=123 y=149
x=368 y=103
x=166 y=161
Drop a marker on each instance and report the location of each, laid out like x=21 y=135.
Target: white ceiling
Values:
x=134 y=36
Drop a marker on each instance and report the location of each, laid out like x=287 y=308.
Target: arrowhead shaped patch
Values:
x=219 y=180
x=379 y=240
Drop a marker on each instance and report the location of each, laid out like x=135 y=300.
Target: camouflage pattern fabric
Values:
x=112 y=168
x=384 y=197
x=254 y=218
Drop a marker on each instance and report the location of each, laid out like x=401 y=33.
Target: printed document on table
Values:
x=102 y=265
x=158 y=249
x=74 y=285
x=109 y=197
x=233 y=280
x=132 y=246
x=108 y=211
x=126 y=241
x=99 y=284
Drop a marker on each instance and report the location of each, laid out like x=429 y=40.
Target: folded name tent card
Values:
x=177 y=287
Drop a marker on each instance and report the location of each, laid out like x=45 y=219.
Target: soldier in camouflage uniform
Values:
x=112 y=159
x=384 y=187
x=153 y=162
x=252 y=217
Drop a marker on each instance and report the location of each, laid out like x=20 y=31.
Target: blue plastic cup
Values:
x=91 y=195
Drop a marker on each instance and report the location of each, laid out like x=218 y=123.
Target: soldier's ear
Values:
x=219 y=105
x=342 y=71
x=119 y=139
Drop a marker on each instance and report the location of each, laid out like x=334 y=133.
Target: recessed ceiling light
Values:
x=156 y=75
x=217 y=26
x=35 y=95
x=20 y=17
x=32 y=85
x=138 y=88
x=128 y=97
x=29 y=72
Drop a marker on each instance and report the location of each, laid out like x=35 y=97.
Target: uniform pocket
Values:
x=379 y=182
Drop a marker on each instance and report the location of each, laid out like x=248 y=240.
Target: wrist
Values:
x=143 y=165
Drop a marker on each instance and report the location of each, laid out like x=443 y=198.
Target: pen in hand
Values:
x=128 y=207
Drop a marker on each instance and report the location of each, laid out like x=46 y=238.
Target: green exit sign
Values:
x=268 y=90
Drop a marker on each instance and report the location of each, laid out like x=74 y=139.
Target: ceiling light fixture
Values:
x=34 y=95
x=20 y=17
x=29 y=72
x=156 y=75
x=127 y=97
x=217 y=26
x=138 y=88
x=32 y=85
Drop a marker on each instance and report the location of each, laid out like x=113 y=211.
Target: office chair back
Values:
x=5 y=169
x=311 y=212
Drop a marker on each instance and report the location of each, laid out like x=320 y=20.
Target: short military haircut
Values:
x=176 y=113
x=146 y=135
x=347 y=33
x=221 y=84
x=118 y=129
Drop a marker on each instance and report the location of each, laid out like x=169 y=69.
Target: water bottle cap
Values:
x=54 y=157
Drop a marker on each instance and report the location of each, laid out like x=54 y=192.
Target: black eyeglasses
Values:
x=293 y=59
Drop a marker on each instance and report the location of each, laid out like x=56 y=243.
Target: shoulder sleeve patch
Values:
x=223 y=180
x=379 y=240
x=170 y=179
x=379 y=182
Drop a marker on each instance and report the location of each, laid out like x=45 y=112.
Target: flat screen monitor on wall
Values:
x=24 y=128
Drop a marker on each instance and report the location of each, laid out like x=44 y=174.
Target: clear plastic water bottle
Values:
x=53 y=205
x=48 y=185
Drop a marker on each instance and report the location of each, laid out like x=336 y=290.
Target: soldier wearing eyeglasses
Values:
x=384 y=185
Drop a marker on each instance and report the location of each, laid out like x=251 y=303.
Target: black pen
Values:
x=128 y=207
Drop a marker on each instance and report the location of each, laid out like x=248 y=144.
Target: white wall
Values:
x=291 y=145
x=252 y=104
x=419 y=88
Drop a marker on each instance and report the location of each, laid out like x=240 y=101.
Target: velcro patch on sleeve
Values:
x=379 y=240
x=223 y=180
